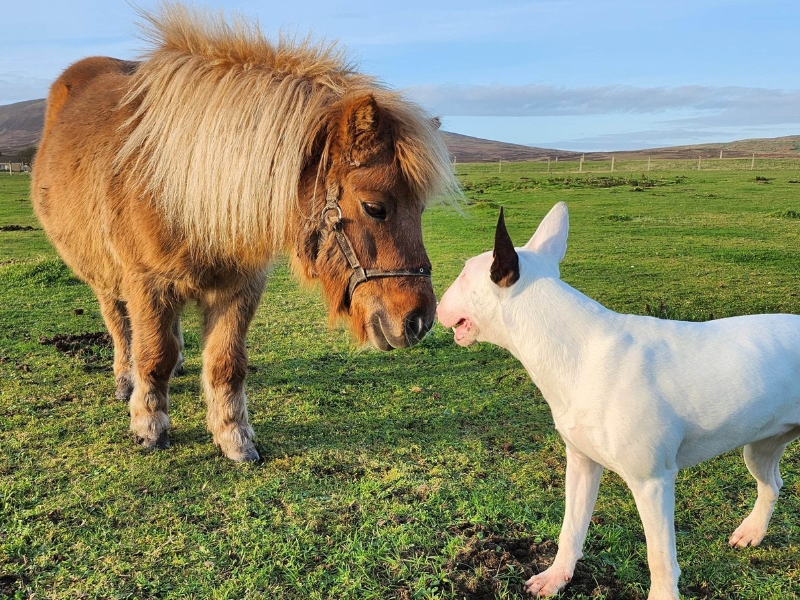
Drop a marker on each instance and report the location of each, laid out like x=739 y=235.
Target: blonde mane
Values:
x=224 y=121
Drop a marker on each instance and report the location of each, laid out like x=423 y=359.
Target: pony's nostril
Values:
x=416 y=325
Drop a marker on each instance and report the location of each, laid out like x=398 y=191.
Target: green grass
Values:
x=405 y=475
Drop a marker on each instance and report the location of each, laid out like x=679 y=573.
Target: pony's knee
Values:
x=225 y=370
x=157 y=363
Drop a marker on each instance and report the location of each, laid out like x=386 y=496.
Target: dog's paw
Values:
x=548 y=583
x=749 y=533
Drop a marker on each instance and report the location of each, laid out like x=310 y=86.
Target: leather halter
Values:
x=359 y=274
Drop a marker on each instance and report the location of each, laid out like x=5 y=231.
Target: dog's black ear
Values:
x=505 y=266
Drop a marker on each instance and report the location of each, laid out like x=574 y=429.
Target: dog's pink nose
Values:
x=441 y=314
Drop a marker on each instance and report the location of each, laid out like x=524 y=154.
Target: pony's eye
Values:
x=374 y=210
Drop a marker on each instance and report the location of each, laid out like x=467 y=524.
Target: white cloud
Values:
x=613 y=117
x=709 y=104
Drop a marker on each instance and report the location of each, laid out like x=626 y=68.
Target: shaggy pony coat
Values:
x=182 y=176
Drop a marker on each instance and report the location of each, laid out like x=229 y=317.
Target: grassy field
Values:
x=433 y=472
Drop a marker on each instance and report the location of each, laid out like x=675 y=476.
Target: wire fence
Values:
x=638 y=165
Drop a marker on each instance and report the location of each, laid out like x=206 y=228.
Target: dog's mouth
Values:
x=461 y=330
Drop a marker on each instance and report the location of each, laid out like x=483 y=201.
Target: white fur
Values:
x=641 y=396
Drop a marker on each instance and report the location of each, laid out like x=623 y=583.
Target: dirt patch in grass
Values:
x=93 y=349
x=74 y=344
x=786 y=214
x=489 y=561
x=18 y=228
x=10 y=583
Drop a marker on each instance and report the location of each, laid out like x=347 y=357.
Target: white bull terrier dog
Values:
x=641 y=396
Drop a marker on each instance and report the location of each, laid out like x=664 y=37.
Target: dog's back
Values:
x=725 y=383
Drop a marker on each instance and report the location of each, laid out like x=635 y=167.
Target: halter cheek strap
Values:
x=359 y=274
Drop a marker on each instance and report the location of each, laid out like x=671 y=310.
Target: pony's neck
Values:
x=552 y=327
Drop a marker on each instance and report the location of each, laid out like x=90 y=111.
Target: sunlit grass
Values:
x=381 y=471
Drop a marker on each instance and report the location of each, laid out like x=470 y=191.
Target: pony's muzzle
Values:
x=416 y=325
x=384 y=336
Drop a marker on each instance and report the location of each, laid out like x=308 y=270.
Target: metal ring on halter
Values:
x=336 y=208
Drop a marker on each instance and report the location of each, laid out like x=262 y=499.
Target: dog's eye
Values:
x=374 y=210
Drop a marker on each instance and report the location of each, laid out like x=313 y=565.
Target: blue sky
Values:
x=571 y=74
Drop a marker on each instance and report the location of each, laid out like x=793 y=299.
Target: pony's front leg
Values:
x=155 y=350
x=226 y=320
x=655 y=500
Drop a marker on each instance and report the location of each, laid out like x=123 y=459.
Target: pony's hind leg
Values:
x=226 y=320
x=155 y=349
x=178 y=333
x=115 y=315
x=762 y=460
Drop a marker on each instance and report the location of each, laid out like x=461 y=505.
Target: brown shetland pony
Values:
x=183 y=176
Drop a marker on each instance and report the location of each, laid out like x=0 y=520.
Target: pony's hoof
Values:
x=248 y=453
x=160 y=443
x=237 y=444
x=178 y=370
x=124 y=387
x=124 y=391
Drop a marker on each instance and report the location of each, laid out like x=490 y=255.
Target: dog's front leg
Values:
x=655 y=500
x=582 y=483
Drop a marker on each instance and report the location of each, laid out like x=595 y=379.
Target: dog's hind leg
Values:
x=762 y=460
x=582 y=483
x=115 y=315
x=655 y=500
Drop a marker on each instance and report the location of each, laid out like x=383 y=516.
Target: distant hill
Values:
x=467 y=149
x=780 y=147
x=470 y=149
x=21 y=126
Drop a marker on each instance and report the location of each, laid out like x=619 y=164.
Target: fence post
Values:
x=720 y=154
x=500 y=166
x=699 y=157
x=753 y=162
x=648 y=164
x=612 y=163
x=548 y=163
x=580 y=164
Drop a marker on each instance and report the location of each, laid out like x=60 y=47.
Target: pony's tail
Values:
x=76 y=76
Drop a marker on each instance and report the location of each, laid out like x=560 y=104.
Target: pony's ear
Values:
x=436 y=122
x=364 y=130
x=551 y=236
x=505 y=266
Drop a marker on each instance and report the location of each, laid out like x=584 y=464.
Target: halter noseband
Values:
x=359 y=274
